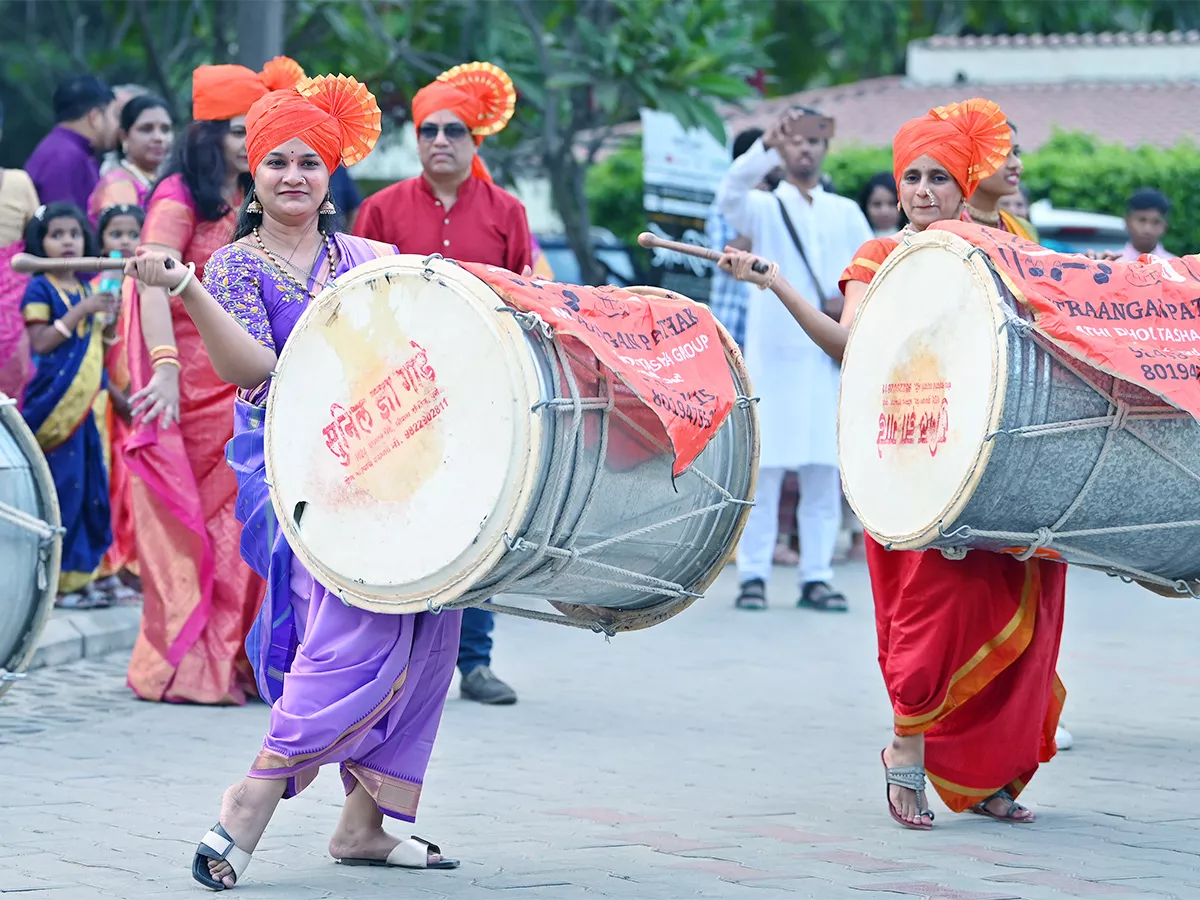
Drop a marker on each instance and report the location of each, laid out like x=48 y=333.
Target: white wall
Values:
x=1053 y=64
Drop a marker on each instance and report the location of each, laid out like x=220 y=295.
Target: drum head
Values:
x=399 y=438
x=922 y=386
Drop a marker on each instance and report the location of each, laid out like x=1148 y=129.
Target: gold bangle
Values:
x=170 y=348
x=62 y=329
x=168 y=361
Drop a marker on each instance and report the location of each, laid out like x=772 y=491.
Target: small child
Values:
x=1146 y=220
x=68 y=327
x=120 y=230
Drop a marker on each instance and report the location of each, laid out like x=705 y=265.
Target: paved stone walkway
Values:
x=723 y=754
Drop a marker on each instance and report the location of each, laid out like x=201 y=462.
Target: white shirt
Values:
x=796 y=382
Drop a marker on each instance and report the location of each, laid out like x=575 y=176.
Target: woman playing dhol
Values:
x=347 y=686
x=967 y=647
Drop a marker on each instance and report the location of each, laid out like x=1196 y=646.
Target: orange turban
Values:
x=971 y=140
x=336 y=116
x=220 y=93
x=480 y=94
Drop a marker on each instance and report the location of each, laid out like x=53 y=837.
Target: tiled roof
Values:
x=1104 y=39
x=870 y=112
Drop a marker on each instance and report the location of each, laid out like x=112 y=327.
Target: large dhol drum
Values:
x=960 y=427
x=428 y=447
x=30 y=543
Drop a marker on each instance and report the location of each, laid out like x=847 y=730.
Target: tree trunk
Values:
x=259 y=32
x=566 y=188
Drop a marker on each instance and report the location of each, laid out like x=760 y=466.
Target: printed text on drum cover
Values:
x=354 y=436
x=1138 y=321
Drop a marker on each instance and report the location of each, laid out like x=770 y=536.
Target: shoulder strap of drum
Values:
x=787 y=220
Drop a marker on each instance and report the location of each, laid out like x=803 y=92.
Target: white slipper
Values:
x=414 y=853
x=217 y=844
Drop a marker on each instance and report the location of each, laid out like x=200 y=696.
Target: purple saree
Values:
x=346 y=686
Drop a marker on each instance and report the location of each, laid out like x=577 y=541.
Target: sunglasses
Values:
x=454 y=131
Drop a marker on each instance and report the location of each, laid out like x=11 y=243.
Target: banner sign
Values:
x=1138 y=321
x=682 y=169
x=667 y=351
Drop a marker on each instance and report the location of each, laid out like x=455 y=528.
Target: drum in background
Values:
x=30 y=543
x=428 y=447
x=959 y=427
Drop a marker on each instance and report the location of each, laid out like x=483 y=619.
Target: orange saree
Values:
x=968 y=650
x=200 y=597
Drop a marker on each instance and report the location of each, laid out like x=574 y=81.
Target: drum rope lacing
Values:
x=569 y=457
x=1118 y=420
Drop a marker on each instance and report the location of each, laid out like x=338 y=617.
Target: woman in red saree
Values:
x=18 y=202
x=967 y=647
x=200 y=597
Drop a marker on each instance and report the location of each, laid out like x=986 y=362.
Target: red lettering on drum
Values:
x=926 y=425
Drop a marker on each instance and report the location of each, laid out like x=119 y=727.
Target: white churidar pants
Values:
x=818 y=519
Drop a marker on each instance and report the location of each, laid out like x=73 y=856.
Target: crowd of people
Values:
x=113 y=378
x=145 y=388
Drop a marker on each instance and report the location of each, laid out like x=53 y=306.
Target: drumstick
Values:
x=27 y=263
x=649 y=241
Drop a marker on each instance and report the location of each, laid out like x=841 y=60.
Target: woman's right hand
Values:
x=154 y=268
x=159 y=399
x=739 y=264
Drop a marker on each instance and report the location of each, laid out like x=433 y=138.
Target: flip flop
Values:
x=911 y=778
x=980 y=809
x=414 y=853
x=80 y=600
x=217 y=844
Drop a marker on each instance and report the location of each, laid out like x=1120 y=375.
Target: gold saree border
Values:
x=75 y=405
x=987 y=662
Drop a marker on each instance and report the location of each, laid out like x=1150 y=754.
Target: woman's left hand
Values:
x=154 y=268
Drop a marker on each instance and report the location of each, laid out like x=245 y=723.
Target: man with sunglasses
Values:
x=453 y=208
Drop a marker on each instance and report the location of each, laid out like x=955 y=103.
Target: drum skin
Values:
x=461 y=457
x=30 y=562
x=960 y=429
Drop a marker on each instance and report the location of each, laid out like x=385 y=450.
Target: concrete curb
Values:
x=72 y=635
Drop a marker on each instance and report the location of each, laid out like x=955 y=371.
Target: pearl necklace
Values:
x=136 y=172
x=284 y=269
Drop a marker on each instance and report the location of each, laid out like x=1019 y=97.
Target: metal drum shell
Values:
x=1073 y=478
x=25 y=558
x=734 y=451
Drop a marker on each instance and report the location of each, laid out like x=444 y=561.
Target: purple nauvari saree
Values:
x=347 y=686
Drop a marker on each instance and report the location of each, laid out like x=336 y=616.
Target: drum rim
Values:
x=23 y=655
x=519 y=489
x=982 y=274
x=621 y=620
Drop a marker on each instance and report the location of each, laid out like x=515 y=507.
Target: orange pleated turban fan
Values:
x=479 y=93
x=221 y=93
x=971 y=139
x=335 y=115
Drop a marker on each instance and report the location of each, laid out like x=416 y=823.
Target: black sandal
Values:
x=753 y=595
x=821 y=597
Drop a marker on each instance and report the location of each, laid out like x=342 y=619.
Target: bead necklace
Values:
x=284 y=269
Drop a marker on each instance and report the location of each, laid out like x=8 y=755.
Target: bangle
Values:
x=168 y=361
x=62 y=329
x=163 y=350
x=187 y=279
x=111 y=341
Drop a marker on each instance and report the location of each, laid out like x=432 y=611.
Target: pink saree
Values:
x=200 y=597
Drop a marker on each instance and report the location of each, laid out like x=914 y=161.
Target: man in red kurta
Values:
x=453 y=208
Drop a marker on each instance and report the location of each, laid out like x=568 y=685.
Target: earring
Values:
x=254 y=208
x=899 y=208
x=327 y=208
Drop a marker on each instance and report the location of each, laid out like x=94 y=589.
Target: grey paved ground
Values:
x=723 y=754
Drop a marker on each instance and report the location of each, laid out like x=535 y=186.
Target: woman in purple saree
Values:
x=346 y=686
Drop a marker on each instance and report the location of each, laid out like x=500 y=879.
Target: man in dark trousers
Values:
x=453 y=208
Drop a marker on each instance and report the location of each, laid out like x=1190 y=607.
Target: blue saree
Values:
x=58 y=410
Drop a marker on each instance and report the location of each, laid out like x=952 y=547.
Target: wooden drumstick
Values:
x=649 y=241
x=29 y=264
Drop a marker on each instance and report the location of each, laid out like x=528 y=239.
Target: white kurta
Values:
x=796 y=381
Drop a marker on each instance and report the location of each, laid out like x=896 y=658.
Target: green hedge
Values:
x=1076 y=171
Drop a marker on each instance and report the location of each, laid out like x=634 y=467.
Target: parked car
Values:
x=1076 y=231
x=614 y=256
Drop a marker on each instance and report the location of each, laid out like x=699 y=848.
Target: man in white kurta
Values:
x=796 y=382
